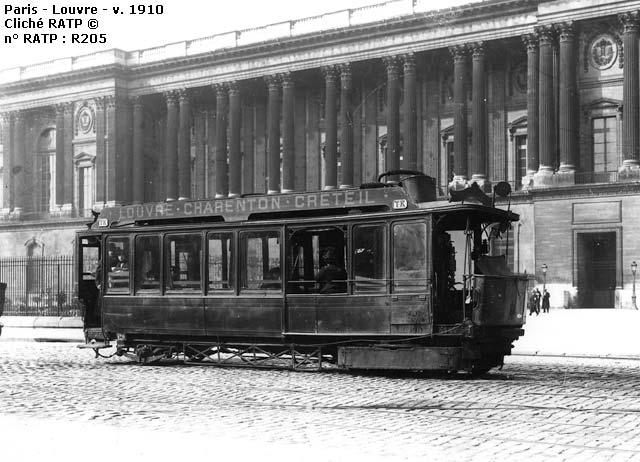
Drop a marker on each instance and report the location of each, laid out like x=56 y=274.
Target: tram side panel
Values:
x=152 y=316
x=255 y=315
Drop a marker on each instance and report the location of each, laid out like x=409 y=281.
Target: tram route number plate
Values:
x=399 y=204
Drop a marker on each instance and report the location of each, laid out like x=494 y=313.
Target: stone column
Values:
x=460 y=170
x=60 y=154
x=184 y=146
x=137 y=161
x=101 y=152
x=118 y=154
x=235 y=156
x=346 y=124
x=19 y=160
x=479 y=118
x=69 y=166
x=7 y=162
x=331 y=127
x=171 y=147
x=630 y=168
x=288 y=132
x=410 y=145
x=533 y=64
x=568 y=123
x=392 y=64
x=199 y=124
x=546 y=109
x=273 y=135
x=222 y=169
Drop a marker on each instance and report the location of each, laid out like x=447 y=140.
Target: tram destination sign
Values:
x=240 y=208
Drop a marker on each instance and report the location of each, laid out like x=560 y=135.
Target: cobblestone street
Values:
x=61 y=403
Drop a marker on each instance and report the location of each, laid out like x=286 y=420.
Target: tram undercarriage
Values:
x=440 y=353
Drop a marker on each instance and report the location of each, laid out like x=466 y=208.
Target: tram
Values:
x=377 y=277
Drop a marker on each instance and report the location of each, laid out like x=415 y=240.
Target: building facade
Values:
x=542 y=94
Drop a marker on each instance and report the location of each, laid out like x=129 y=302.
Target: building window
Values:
x=85 y=186
x=521 y=155
x=46 y=171
x=451 y=159
x=517 y=170
x=85 y=182
x=605 y=144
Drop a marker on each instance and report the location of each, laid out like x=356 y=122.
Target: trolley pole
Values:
x=634 y=268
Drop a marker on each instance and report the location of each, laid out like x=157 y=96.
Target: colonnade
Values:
x=552 y=145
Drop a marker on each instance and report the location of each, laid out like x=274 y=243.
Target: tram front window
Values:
x=410 y=257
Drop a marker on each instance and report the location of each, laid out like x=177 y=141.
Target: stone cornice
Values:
x=75 y=77
x=574 y=192
x=491 y=20
x=332 y=38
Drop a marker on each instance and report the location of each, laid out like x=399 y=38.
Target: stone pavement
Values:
x=61 y=404
x=582 y=332
x=577 y=332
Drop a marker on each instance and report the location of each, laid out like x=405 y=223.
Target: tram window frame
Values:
x=263 y=284
x=315 y=263
x=173 y=281
x=117 y=277
x=409 y=286
x=152 y=282
x=231 y=264
x=373 y=284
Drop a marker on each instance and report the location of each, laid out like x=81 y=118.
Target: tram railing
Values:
x=39 y=286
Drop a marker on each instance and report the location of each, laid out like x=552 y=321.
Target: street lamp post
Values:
x=544 y=277
x=634 y=268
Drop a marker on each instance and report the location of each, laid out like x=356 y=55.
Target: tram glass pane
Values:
x=182 y=263
x=261 y=265
x=117 y=265
x=90 y=260
x=410 y=257
x=369 y=258
x=147 y=276
x=221 y=259
x=316 y=261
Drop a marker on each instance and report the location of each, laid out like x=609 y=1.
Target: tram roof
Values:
x=274 y=206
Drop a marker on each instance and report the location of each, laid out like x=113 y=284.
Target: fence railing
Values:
x=39 y=286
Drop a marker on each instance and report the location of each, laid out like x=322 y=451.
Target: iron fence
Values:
x=39 y=286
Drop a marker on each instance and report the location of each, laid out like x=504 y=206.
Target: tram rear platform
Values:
x=577 y=332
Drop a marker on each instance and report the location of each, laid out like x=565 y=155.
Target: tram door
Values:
x=88 y=278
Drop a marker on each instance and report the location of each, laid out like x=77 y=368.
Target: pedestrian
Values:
x=545 y=301
x=534 y=302
x=531 y=305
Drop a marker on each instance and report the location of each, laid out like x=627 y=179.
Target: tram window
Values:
x=117 y=265
x=182 y=262
x=147 y=276
x=90 y=260
x=221 y=256
x=369 y=252
x=409 y=257
x=316 y=261
x=261 y=265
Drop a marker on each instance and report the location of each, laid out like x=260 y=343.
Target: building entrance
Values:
x=596 y=270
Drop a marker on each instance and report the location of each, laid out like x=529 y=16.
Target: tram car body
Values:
x=381 y=277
